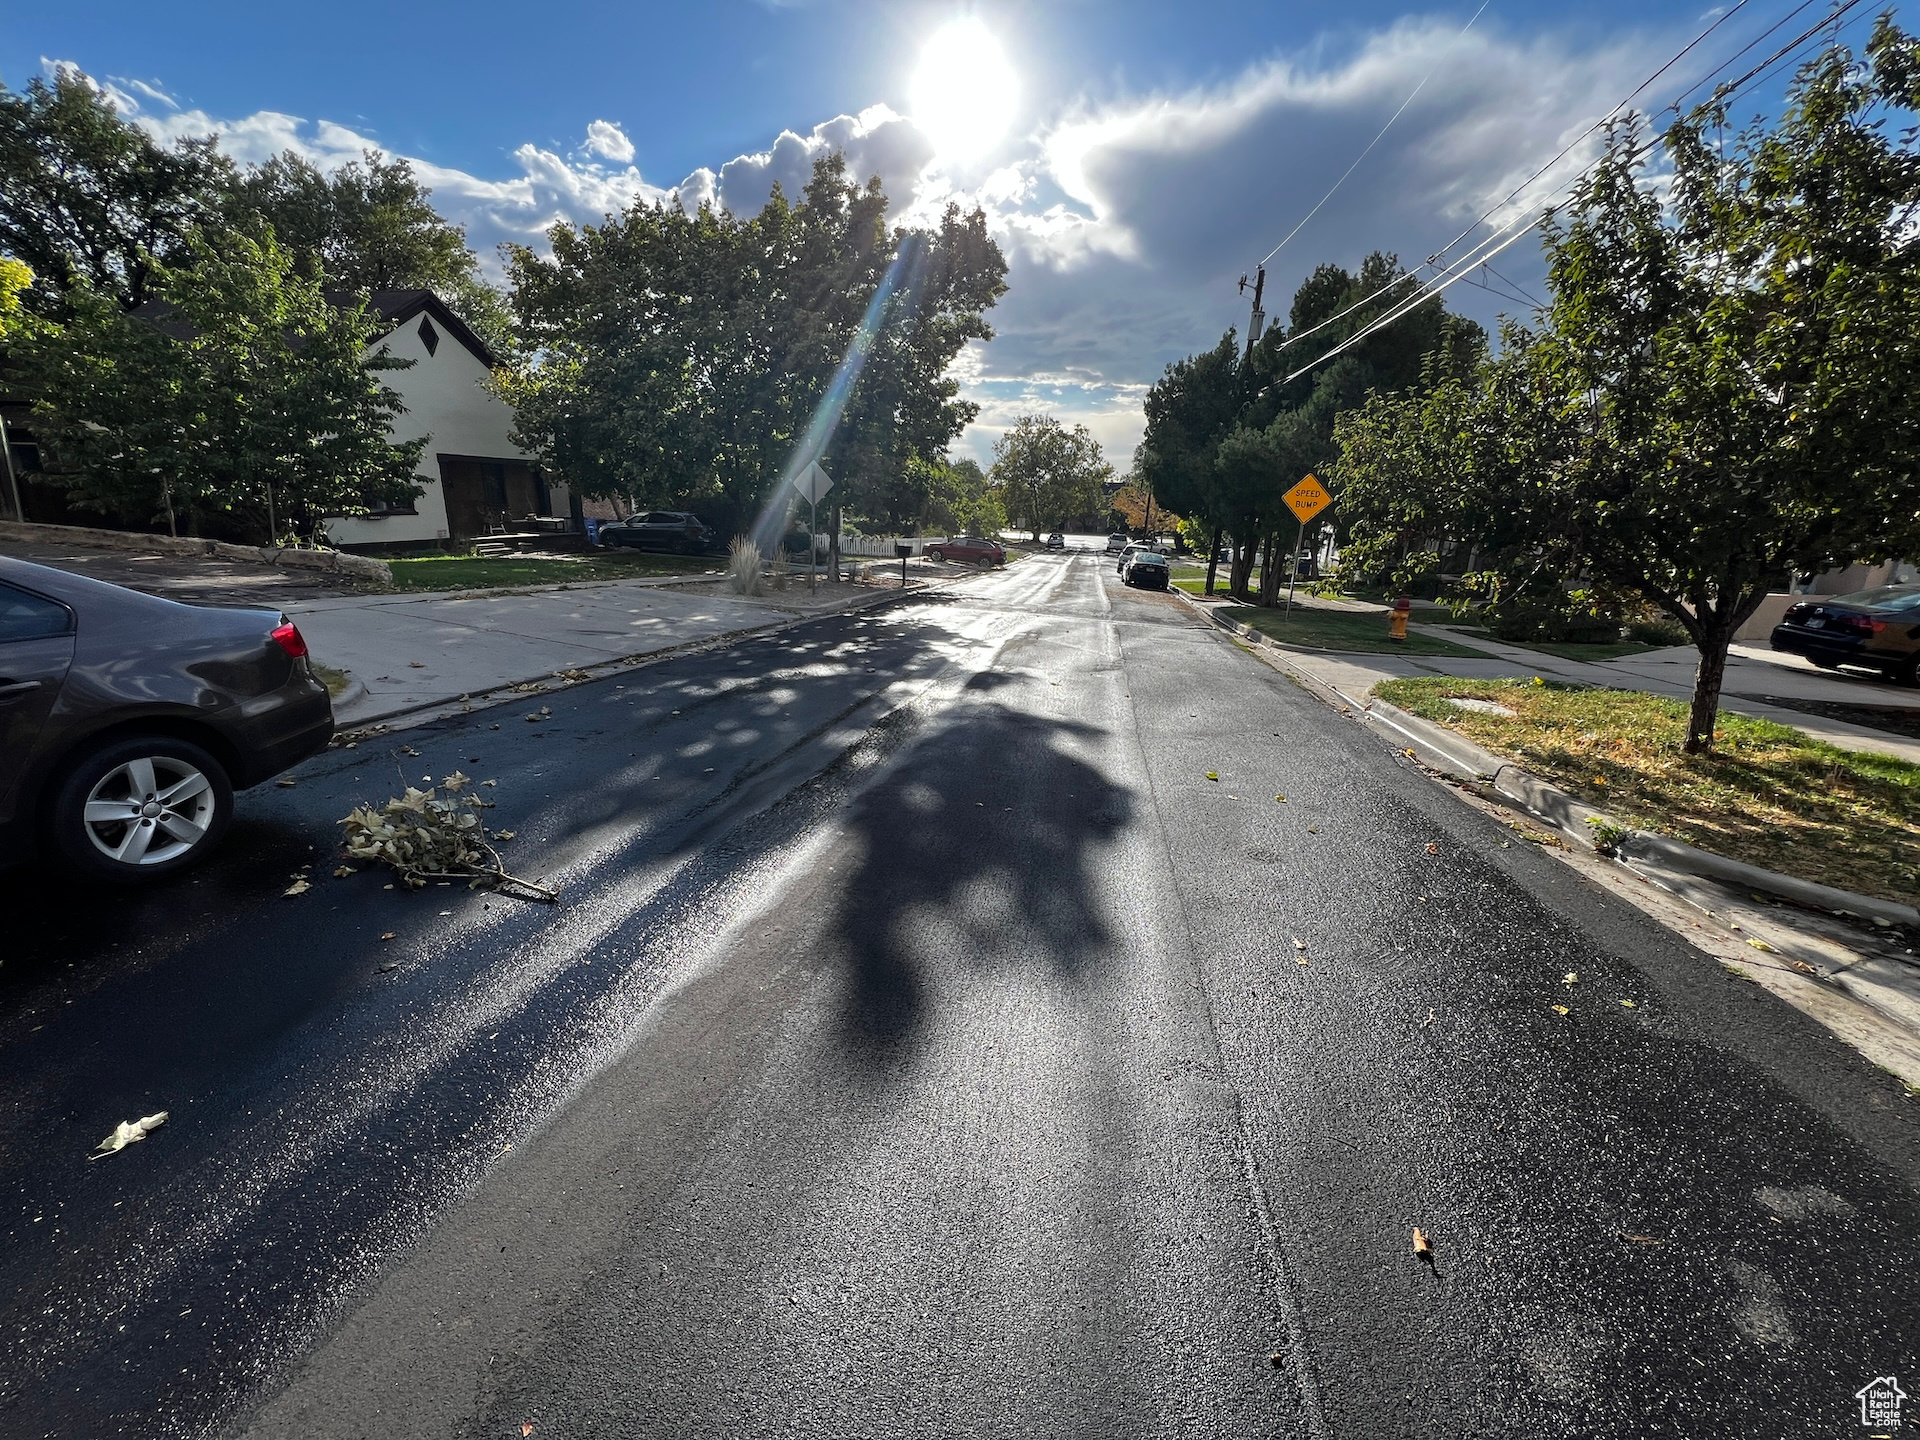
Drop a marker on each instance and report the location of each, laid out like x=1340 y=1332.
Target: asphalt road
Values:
x=925 y=1045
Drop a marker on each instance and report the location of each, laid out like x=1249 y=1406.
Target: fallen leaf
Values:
x=1645 y=1239
x=1408 y=752
x=1432 y=849
x=526 y=1429
x=340 y=872
x=1560 y=1010
x=416 y=665
x=1422 y=1246
x=387 y=968
x=1281 y=798
x=287 y=784
x=503 y=834
x=1313 y=829
x=533 y=719
x=1759 y=944
x=408 y=750
x=387 y=934
x=128 y=1132
x=1803 y=967
x=1629 y=1004
x=1299 y=944
x=1212 y=775
x=1570 y=978
x=299 y=887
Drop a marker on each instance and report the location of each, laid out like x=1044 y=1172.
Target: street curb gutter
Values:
x=1460 y=757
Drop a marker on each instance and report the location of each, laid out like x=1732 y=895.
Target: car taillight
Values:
x=289 y=639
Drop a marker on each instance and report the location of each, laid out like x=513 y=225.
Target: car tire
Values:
x=984 y=562
x=146 y=843
x=1907 y=672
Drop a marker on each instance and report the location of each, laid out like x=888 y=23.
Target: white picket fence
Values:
x=876 y=547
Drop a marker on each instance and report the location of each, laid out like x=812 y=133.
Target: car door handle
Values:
x=14 y=689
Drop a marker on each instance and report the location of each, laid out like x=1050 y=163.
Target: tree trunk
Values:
x=1242 y=567
x=1716 y=634
x=1213 y=558
x=1270 y=572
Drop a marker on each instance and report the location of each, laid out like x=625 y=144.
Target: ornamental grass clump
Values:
x=743 y=566
x=426 y=835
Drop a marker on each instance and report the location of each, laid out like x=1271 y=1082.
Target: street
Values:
x=926 y=1042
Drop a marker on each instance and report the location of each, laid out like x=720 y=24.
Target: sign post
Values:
x=812 y=483
x=1306 y=500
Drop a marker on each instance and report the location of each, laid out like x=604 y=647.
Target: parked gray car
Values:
x=128 y=721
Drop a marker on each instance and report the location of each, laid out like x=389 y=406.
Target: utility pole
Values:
x=1258 y=320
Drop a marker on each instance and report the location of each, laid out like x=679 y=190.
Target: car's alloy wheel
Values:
x=141 y=808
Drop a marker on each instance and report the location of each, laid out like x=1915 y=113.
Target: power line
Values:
x=1463 y=268
x=1376 y=140
x=1680 y=99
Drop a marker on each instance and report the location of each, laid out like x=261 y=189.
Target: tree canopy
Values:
x=1725 y=389
x=1048 y=475
x=696 y=358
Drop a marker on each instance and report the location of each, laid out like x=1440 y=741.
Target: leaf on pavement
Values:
x=1299 y=944
x=1212 y=775
x=1629 y=1004
x=1570 y=978
x=287 y=783
x=416 y=665
x=126 y=1133
x=1281 y=798
x=1432 y=849
x=526 y=1429
x=1803 y=967
x=299 y=887
x=1408 y=752
x=340 y=872
x=1422 y=1246
x=408 y=750
x=1759 y=944
x=1560 y=1010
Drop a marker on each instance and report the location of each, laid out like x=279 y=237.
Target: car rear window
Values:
x=28 y=617
x=1881 y=597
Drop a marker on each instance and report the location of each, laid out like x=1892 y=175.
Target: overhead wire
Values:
x=1462 y=268
x=1298 y=227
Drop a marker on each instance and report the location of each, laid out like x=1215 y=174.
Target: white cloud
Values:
x=1125 y=223
x=609 y=142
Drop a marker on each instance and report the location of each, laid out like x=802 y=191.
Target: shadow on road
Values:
x=979 y=852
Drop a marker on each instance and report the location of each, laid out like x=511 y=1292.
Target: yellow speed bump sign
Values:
x=1308 y=499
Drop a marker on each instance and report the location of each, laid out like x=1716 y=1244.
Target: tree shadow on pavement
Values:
x=977 y=853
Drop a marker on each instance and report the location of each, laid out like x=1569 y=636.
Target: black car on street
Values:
x=1878 y=629
x=128 y=721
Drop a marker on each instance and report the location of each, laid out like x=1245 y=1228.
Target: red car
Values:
x=968 y=549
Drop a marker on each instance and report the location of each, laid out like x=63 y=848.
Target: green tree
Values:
x=88 y=199
x=243 y=404
x=1729 y=379
x=1048 y=474
x=369 y=225
x=693 y=359
x=961 y=500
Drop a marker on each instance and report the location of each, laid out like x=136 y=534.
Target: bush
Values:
x=1653 y=628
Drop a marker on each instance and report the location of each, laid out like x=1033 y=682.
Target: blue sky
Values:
x=1154 y=150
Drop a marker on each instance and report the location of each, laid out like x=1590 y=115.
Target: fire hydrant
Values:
x=1397 y=618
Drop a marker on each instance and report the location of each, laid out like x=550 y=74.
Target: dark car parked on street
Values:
x=127 y=721
x=1878 y=629
x=969 y=550
x=1146 y=570
x=678 y=531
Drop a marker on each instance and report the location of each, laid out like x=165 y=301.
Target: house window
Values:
x=429 y=336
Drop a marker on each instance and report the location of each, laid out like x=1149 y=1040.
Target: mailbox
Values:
x=903 y=548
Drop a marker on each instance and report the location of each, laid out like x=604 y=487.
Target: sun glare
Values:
x=964 y=92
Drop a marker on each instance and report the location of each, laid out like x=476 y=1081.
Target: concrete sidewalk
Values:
x=1752 y=672
x=407 y=652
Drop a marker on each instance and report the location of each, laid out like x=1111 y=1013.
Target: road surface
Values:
x=927 y=1044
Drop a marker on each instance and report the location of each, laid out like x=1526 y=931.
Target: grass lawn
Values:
x=1610 y=651
x=1768 y=795
x=1348 y=631
x=464 y=572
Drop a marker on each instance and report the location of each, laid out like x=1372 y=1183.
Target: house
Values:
x=475 y=480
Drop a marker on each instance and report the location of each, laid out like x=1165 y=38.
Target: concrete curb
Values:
x=1459 y=756
x=335 y=562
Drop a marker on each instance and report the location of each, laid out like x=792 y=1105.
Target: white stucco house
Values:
x=475 y=480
